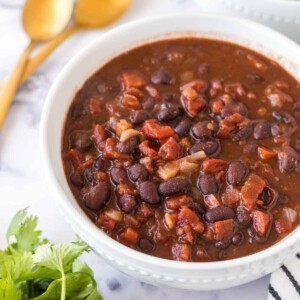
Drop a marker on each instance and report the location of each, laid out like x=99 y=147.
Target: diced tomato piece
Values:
x=208 y=234
x=146 y=149
x=187 y=237
x=283 y=226
x=170 y=150
x=125 y=189
x=181 y=252
x=250 y=191
x=211 y=201
x=130 y=235
x=94 y=106
x=187 y=216
x=110 y=151
x=74 y=157
x=99 y=134
x=176 y=201
x=261 y=222
x=265 y=153
x=214 y=165
x=130 y=101
x=85 y=165
x=155 y=130
x=106 y=222
x=193 y=107
x=223 y=230
x=197 y=85
x=231 y=196
x=144 y=212
x=133 y=79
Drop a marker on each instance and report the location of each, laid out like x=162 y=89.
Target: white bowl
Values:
x=157 y=271
x=282 y=15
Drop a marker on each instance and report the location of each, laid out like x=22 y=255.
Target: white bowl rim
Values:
x=78 y=218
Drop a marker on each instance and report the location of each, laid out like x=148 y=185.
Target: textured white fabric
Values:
x=285 y=282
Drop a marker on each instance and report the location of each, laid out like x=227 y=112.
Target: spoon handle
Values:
x=11 y=85
x=46 y=50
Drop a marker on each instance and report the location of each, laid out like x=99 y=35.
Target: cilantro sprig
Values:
x=32 y=268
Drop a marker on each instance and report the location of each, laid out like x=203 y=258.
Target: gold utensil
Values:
x=89 y=14
x=42 y=20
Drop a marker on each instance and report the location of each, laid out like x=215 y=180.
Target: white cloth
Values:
x=285 y=282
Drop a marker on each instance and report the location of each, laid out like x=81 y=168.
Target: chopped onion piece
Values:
x=289 y=214
x=171 y=169
x=114 y=214
x=131 y=221
x=188 y=168
x=127 y=134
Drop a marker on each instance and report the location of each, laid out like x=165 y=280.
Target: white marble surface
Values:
x=22 y=181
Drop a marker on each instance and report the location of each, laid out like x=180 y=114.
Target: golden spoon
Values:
x=89 y=14
x=42 y=20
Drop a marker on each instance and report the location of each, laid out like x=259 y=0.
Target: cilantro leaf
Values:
x=31 y=268
x=8 y=290
x=78 y=286
x=23 y=229
x=59 y=257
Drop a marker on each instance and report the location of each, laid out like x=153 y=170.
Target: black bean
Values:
x=250 y=148
x=139 y=116
x=297 y=145
x=97 y=196
x=183 y=127
x=211 y=148
x=148 y=104
x=148 y=192
x=262 y=130
x=81 y=141
x=99 y=164
x=76 y=179
x=243 y=133
x=222 y=244
x=243 y=216
x=284 y=117
x=222 y=254
x=126 y=203
x=275 y=130
x=289 y=160
x=269 y=197
x=203 y=69
x=234 y=107
x=173 y=186
x=163 y=77
x=219 y=213
x=129 y=146
x=236 y=173
x=168 y=114
x=207 y=184
x=137 y=172
x=201 y=131
x=146 y=245
x=169 y=97
x=89 y=174
x=197 y=208
x=237 y=238
x=118 y=175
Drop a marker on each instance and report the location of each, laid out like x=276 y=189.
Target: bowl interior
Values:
x=90 y=59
